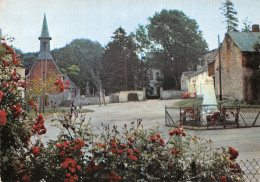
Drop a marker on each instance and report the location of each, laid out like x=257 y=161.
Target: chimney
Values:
x=255 y=28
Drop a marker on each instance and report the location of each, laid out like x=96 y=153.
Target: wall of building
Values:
x=170 y=94
x=184 y=82
x=231 y=72
x=197 y=82
x=37 y=73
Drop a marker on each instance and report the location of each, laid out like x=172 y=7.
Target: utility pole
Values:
x=220 y=83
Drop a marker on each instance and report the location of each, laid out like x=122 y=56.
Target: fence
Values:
x=251 y=170
x=219 y=118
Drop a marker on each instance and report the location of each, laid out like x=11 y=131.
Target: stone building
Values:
x=240 y=58
x=45 y=69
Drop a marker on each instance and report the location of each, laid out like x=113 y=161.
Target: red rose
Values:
x=1 y=95
x=36 y=150
x=223 y=179
x=16 y=109
x=68 y=174
x=123 y=146
x=78 y=167
x=31 y=102
x=2 y=117
x=73 y=170
x=65 y=165
x=136 y=150
x=59 y=83
x=62 y=153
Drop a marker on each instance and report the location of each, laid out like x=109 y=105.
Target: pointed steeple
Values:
x=44 y=42
x=45 y=31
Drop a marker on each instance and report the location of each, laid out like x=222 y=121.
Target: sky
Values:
x=98 y=19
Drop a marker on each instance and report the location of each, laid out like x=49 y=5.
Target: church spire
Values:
x=44 y=42
x=45 y=31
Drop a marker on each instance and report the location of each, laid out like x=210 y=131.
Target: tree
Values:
x=175 y=43
x=120 y=63
x=230 y=15
x=247 y=25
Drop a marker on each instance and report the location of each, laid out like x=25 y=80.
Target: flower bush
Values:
x=115 y=154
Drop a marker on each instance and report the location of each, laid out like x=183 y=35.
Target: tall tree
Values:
x=176 y=42
x=120 y=63
x=247 y=25
x=85 y=54
x=230 y=15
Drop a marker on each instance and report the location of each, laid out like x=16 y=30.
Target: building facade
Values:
x=45 y=70
x=240 y=58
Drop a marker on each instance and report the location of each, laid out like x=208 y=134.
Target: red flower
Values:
x=67 y=82
x=223 y=179
x=23 y=84
x=26 y=178
x=131 y=140
x=5 y=84
x=73 y=170
x=2 y=117
x=123 y=146
x=78 y=167
x=31 y=102
x=62 y=153
x=152 y=139
x=58 y=146
x=132 y=157
x=137 y=151
x=129 y=152
x=60 y=85
x=68 y=174
x=1 y=95
x=171 y=133
x=36 y=150
x=233 y=152
x=16 y=110
x=35 y=108
x=120 y=152
x=65 y=165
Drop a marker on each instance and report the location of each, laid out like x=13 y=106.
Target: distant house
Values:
x=240 y=59
x=198 y=79
x=184 y=80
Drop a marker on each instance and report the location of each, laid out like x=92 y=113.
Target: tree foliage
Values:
x=175 y=43
x=230 y=15
x=247 y=25
x=120 y=63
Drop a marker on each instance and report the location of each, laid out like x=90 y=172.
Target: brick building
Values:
x=45 y=68
x=240 y=58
